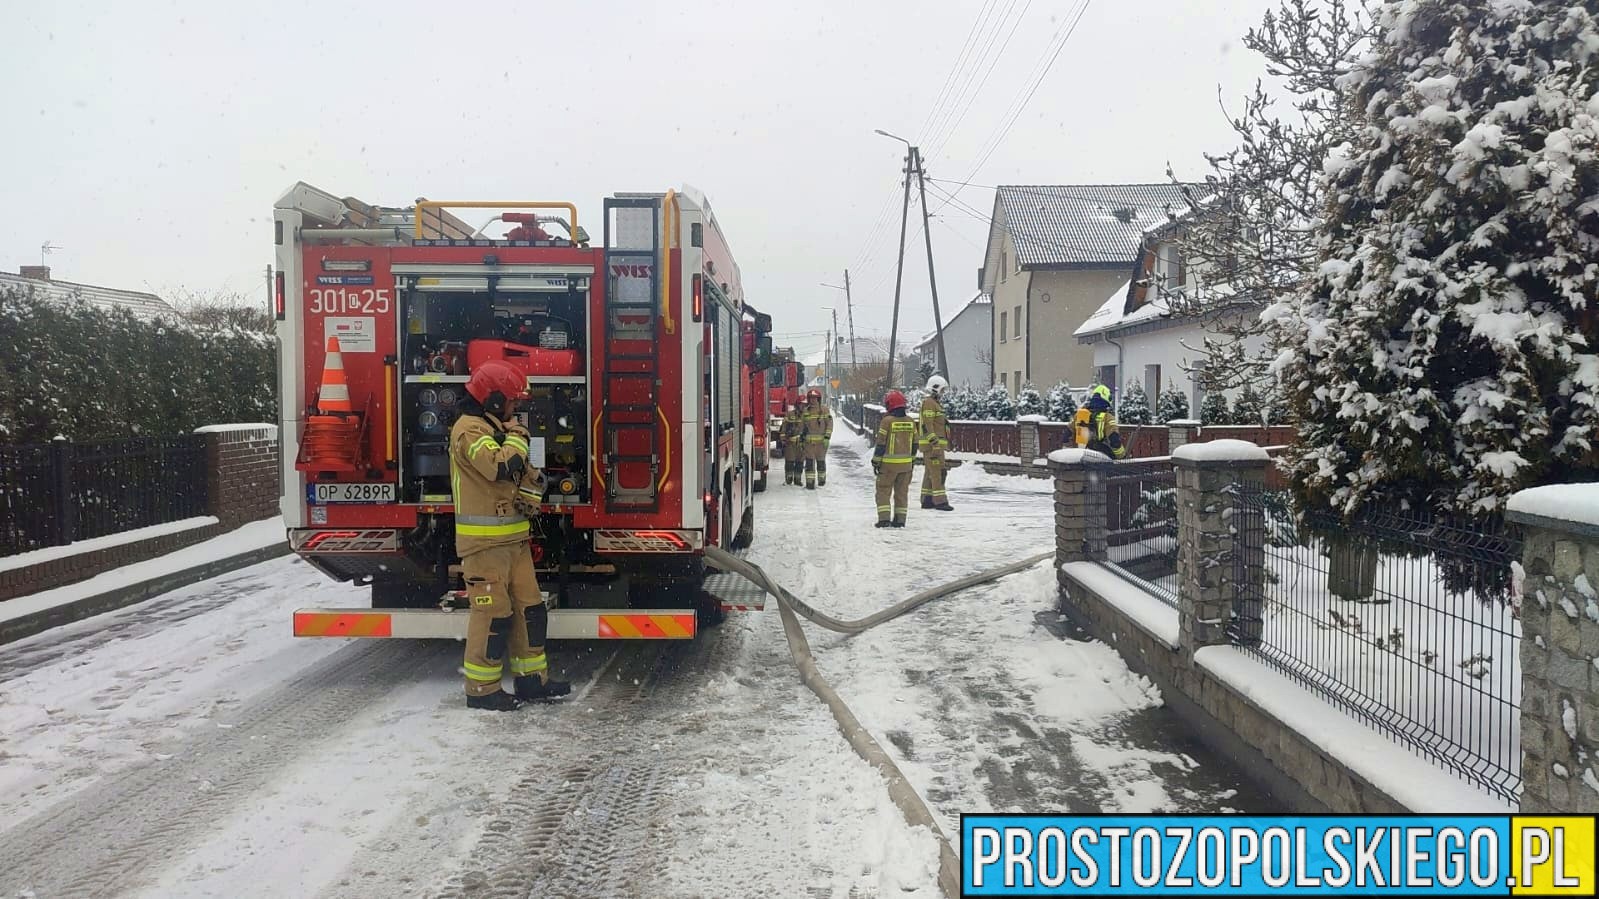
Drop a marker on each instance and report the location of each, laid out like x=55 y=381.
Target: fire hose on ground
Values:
x=910 y=804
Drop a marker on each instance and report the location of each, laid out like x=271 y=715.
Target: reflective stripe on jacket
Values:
x=818 y=424
x=932 y=425
x=896 y=440
x=480 y=481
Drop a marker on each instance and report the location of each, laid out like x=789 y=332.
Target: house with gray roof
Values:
x=1054 y=253
x=36 y=278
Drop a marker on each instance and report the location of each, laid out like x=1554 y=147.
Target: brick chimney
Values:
x=36 y=272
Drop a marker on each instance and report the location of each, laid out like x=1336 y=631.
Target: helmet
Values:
x=894 y=400
x=1101 y=391
x=496 y=376
x=936 y=385
x=814 y=394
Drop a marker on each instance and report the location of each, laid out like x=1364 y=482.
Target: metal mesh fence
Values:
x=1403 y=618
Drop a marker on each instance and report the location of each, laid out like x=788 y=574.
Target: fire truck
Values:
x=782 y=379
x=755 y=398
x=638 y=355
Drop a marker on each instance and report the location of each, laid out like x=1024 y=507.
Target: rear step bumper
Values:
x=565 y=624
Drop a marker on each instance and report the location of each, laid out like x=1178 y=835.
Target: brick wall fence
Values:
x=243 y=482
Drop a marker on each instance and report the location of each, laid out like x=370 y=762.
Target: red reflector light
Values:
x=671 y=537
x=324 y=536
x=279 y=307
x=760 y=440
x=699 y=297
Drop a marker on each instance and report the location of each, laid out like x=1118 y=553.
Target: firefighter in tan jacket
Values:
x=493 y=485
x=933 y=432
x=818 y=436
x=793 y=434
x=893 y=460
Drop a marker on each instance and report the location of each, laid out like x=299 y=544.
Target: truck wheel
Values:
x=746 y=530
x=760 y=482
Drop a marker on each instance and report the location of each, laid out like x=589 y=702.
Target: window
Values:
x=1171 y=259
x=1003 y=317
x=1003 y=381
x=1016 y=321
x=1152 y=385
x=1107 y=375
x=1016 y=381
x=1004 y=268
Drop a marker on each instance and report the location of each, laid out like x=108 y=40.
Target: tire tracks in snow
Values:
x=103 y=840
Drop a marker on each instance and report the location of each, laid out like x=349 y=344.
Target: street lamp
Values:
x=892 y=136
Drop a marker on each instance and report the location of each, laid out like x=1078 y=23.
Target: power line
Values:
x=993 y=59
x=1013 y=112
x=950 y=79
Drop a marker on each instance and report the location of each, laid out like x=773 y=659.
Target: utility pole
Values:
x=827 y=365
x=932 y=279
x=899 y=271
x=850 y=305
x=837 y=339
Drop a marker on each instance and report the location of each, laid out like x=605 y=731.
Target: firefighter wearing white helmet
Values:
x=933 y=436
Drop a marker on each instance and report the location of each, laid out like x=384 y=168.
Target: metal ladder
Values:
x=630 y=395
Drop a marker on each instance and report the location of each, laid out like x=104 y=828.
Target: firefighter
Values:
x=793 y=435
x=893 y=461
x=1095 y=425
x=818 y=437
x=932 y=428
x=493 y=486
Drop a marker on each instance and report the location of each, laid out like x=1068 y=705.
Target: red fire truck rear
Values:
x=782 y=378
x=637 y=365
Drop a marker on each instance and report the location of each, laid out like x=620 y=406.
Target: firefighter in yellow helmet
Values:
x=893 y=460
x=818 y=437
x=1095 y=425
x=793 y=437
x=932 y=428
x=493 y=486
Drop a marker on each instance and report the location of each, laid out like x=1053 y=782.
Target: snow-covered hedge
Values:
x=69 y=369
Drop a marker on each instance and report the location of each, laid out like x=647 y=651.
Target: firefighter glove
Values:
x=512 y=469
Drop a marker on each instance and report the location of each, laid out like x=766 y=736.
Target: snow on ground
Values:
x=84 y=701
x=189 y=746
x=983 y=708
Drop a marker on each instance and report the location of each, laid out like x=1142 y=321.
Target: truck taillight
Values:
x=699 y=297
x=760 y=440
x=279 y=305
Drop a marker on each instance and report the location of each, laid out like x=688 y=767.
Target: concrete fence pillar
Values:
x=1079 y=504
x=1027 y=440
x=1216 y=547
x=1559 y=647
x=1177 y=433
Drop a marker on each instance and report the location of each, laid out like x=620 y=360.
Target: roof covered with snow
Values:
x=867 y=350
x=1083 y=224
x=144 y=305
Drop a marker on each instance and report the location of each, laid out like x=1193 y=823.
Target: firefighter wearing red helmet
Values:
x=818 y=437
x=893 y=460
x=493 y=484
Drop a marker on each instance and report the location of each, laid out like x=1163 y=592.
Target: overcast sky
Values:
x=149 y=140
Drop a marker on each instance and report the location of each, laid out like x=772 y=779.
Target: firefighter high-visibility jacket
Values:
x=488 y=469
x=932 y=425
x=1094 y=427
x=818 y=424
x=896 y=441
x=793 y=428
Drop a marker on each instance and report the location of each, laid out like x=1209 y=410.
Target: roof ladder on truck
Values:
x=631 y=438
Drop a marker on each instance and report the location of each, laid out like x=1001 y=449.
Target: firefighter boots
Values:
x=498 y=701
x=883 y=523
x=898 y=522
x=532 y=688
x=927 y=501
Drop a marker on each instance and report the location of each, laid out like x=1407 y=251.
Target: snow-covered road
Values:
x=190 y=747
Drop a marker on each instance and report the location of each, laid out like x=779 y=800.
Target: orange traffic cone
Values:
x=332 y=431
x=334 y=396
